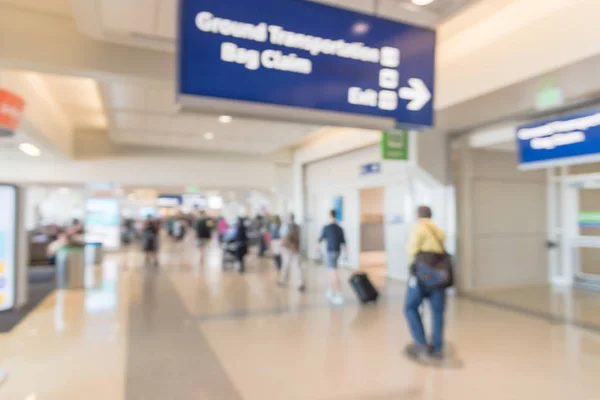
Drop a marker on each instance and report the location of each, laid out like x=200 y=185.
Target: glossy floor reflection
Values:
x=567 y=305
x=186 y=331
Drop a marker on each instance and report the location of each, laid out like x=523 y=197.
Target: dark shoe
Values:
x=436 y=356
x=302 y=289
x=417 y=352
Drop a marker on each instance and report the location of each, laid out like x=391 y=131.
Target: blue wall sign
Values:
x=572 y=139
x=338 y=206
x=169 y=200
x=396 y=219
x=372 y=168
x=297 y=53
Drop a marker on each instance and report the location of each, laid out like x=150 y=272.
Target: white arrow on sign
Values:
x=417 y=93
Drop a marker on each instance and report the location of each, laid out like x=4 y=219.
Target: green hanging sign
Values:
x=394 y=145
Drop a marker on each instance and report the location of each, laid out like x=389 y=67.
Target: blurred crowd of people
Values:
x=268 y=234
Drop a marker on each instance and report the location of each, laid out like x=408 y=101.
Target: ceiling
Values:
x=79 y=99
x=147 y=115
x=56 y=7
x=9 y=148
x=152 y=23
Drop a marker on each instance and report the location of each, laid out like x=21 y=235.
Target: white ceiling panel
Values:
x=365 y=6
x=56 y=7
x=161 y=100
x=190 y=124
x=121 y=96
x=129 y=15
x=158 y=122
x=79 y=99
x=153 y=23
x=163 y=140
x=167 y=19
x=123 y=120
x=407 y=11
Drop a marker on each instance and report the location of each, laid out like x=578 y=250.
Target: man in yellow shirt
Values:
x=425 y=245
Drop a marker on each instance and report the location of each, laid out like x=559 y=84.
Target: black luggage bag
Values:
x=364 y=288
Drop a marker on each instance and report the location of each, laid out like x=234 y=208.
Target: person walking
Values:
x=223 y=227
x=203 y=234
x=333 y=235
x=290 y=253
x=239 y=244
x=275 y=230
x=150 y=233
x=426 y=251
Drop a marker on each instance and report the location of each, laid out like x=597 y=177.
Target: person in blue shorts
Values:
x=333 y=235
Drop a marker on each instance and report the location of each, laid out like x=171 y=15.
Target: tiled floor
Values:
x=573 y=306
x=189 y=332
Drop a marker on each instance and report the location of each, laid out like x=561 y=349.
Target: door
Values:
x=582 y=211
x=587 y=243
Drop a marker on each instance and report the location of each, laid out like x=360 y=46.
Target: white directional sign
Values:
x=418 y=94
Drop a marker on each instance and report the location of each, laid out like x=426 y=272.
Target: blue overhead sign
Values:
x=573 y=139
x=300 y=54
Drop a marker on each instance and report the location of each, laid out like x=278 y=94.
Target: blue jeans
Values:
x=332 y=259
x=414 y=298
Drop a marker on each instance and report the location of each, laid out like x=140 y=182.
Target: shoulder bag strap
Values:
x=437 y=239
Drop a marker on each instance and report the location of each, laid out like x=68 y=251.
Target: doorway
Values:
x=582 y=212
x=373 y=256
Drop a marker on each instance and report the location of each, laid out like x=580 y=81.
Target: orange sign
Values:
x=11 y=108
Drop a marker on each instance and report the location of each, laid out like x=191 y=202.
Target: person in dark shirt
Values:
x=202 y=226
x=239 y=239
x=150 y=233
x=333 y=235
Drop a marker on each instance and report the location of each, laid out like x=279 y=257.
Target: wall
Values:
x=404 y=186
x=283 y=190
x=52 y=205
x=496 y=43
x=502 y=215
x=329 y=142
x=144 y=171
x=432 y=152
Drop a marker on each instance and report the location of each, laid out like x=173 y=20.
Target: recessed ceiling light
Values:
x=209 y=136
x=225 y=119
x=30 y=149
x=422 y=2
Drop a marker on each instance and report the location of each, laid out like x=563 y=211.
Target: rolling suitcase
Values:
x=364 y=288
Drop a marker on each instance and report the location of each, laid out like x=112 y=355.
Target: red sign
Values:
x=11 y=108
